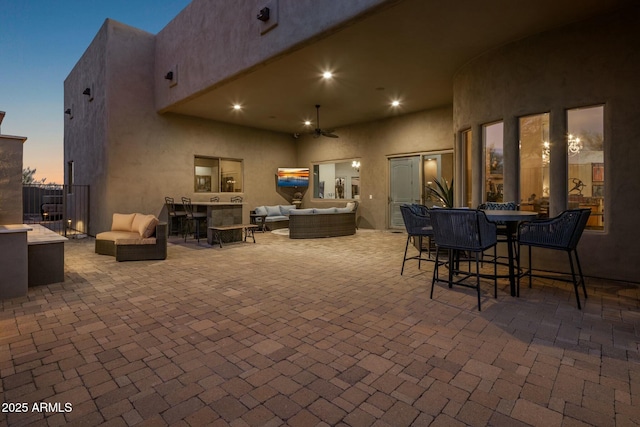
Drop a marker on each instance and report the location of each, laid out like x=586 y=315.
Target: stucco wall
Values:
x=374 y=143
x=11 y=180
x=85 y=128
x=211 y=42
x=588 y=63
x=133 y=157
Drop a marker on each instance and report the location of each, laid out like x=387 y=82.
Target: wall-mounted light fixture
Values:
x=169 y=75
x=263 y=15
x=68 y=111
x=87 y=92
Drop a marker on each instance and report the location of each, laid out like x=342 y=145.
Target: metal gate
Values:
x=61 y=208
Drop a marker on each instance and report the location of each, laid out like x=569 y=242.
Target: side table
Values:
x=258 y=220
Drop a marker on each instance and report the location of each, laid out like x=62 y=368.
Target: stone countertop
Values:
x=14 y=228
x=40 y=235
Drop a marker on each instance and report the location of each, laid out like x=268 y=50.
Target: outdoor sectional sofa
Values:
x=134 y=237
x=277 y=216
x=327 y=222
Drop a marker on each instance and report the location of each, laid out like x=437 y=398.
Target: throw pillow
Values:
x=273 y=210
x=147 y=227
x=122 y=222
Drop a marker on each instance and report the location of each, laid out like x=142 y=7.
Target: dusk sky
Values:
x=40 y=42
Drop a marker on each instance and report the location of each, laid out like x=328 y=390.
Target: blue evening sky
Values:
x=40 y=42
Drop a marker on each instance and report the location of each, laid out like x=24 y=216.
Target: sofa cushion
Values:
x=275 y=218
x=147 y=225
x=344 y=210
x=308 y=211
x=285 y=209
x=136 y=241
x=261 y=210
x=273 y=210
x=115 y=235
x=122 y=222
x=324 y=210
x=351 y=206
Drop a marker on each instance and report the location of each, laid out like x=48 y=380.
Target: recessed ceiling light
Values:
x=237 y=106
x=307 y=123
x=327 y=75
x=395 y=103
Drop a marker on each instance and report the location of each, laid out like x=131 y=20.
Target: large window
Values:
x=216 y=175
x=534 y=164
x=340 y=180
x=494 y=162
x=585 y=151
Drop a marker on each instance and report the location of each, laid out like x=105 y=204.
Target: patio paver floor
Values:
x=312 y=332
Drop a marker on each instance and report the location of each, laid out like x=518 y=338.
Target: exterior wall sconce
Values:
x=68 y=111
x=263 y=15
x=172 y=75
x=89 y=92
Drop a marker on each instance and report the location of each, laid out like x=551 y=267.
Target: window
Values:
x=436 y=167
x=494 y=162
x=70 y=177
x=534 y=164
x=212 y=174
x=586 y=163
x=340 y=180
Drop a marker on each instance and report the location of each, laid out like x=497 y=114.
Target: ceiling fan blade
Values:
x=329 y=134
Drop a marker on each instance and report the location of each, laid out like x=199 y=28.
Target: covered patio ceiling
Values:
x=408 y=51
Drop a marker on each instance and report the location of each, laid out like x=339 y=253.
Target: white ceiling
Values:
x=409 y=51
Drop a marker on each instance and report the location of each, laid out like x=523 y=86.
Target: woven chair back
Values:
x=463 y=229
x=416 y=220
x=562 y=232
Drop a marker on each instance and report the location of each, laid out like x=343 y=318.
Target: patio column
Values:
x=558 y=174
x=511 y=159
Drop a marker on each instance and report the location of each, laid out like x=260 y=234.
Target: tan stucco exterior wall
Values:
x=589 y=63
x=211 y=42
x=11 y=179
x=131 y=156
x=374 y=143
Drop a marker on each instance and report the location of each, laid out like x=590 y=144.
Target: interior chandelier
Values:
x=574 y=145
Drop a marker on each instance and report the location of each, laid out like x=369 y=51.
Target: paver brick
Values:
x=201 y=339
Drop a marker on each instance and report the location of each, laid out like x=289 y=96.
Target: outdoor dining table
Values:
x=511 y=220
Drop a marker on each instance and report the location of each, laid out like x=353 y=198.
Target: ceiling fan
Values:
x=318 y=131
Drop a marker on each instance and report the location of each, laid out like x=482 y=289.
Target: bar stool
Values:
x=192 y=217
x=174 y=215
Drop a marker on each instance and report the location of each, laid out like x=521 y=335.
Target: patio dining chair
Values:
x=174 y=215
x=457 y=230
x=194 y=218
x=560 y=233
x=418 y=225
x=505 y=233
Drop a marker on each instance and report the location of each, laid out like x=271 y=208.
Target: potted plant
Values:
x=442 y=192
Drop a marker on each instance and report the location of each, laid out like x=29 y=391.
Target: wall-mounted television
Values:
x=293 y=177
